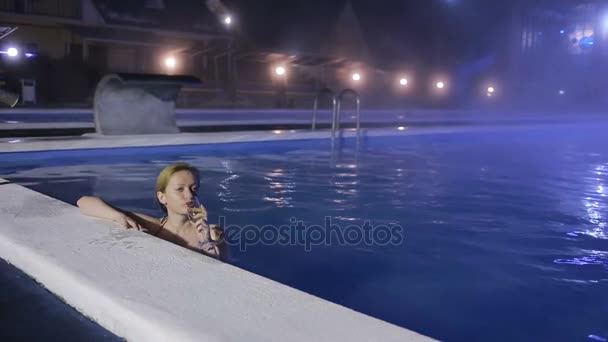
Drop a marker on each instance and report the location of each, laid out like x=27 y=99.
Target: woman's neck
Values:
x=176 y=223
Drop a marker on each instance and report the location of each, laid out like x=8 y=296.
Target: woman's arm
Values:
x=96 y=207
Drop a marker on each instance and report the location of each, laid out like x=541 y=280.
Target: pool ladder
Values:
x=336 y=109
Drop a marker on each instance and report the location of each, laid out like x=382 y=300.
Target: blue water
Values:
x=505 y=229
x=28 y=312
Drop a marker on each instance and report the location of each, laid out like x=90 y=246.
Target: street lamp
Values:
x=280 y=70
x=228 y=20
x=356 y=77
x=490 y=91
x=12 y=52
x=403 y=82
x=440 y=85
x=170 y=62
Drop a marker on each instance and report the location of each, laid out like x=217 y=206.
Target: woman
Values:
x=176 y=191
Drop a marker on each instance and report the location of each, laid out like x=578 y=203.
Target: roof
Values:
x=6 y=30
x=303 y=59
x=175 y=15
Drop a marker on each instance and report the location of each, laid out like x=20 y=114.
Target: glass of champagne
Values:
x=196 y=211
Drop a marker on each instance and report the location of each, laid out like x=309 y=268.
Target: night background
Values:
x=513 y=47
x=397 y=31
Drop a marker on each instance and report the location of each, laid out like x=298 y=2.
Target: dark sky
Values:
x=452 y=30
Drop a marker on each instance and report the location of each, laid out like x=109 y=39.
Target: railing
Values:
x=335 y=125
x=321 y=92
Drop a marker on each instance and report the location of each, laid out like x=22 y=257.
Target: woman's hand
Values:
x=127 y=222
x=217 y=233
x=202 y=229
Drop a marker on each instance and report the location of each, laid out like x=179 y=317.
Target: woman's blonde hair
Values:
x=165 y=175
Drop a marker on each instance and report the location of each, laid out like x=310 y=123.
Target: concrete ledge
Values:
x=89 y=141
x=146 y=289
x=92 y=141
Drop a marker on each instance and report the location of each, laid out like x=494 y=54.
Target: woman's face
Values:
x=182 y=187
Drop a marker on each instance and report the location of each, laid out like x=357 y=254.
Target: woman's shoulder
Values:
x=148 y=218
x=151 y=223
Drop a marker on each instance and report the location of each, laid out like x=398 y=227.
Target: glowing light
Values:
x=403 y=81
x=562 y=31
x=170 y=62
x=28 y=55
x=227 y=20
x=491 y=90
x=586 y=43
x=12 y=52
x=278 y=131
x=401 y=128
x=561 y=92
x=280 y=70
x=440 y=85
x=356 y=76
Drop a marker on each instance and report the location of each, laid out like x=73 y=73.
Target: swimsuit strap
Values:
x=163 y=221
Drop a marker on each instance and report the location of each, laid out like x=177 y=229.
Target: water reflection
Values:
x=595 y=205
x=225 y=193
x=593 y=257
x=598 y=338
x=281 y=185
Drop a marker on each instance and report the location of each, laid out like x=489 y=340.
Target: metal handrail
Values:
x=316 y=105
x=335 y=125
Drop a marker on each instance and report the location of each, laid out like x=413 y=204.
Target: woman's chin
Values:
x=181 y=211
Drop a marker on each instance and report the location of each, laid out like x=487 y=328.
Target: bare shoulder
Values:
x=152 y=224
x=148 y=218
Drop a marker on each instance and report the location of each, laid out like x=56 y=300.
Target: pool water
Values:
x=505 y=232
x=29 y=312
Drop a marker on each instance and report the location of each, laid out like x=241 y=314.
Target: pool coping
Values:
x=146 y=289
x=94 y=141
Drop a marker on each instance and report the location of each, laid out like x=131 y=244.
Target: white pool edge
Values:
x=93 y=141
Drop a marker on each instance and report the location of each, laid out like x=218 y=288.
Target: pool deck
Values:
x=146 y=289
